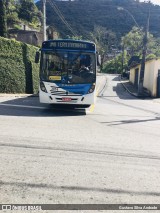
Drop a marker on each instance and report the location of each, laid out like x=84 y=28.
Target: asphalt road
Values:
x=103 y=156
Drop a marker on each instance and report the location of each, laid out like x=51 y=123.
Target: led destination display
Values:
x=78 y=45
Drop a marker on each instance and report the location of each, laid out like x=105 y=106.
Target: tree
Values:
x=104 y=40
x=153 y=47
x=3 y=19
x=28 y=11
x=115 y=65
x=12 y=13
x=132 y=46
x=133 y=41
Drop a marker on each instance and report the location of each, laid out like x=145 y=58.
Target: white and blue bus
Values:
x=67 y=72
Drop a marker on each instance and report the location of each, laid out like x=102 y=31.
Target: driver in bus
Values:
x=84 y=71
x=83 y=68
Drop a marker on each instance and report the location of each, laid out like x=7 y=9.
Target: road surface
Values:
x=109 y=155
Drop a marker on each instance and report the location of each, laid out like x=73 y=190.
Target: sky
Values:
x=154 y=1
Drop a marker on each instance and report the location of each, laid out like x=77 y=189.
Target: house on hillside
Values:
x=152 y=70
x=27 y=36
x=31 y=36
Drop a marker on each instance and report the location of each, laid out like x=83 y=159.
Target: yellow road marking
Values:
x=91 y=109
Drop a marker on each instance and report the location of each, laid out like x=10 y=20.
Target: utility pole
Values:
x=122 y=59
x=145 y=41
x=44 y=20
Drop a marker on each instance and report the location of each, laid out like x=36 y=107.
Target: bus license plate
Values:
x=66 y=99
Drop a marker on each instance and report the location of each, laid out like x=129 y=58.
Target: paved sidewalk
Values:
x=129 y=87
x=134 y=91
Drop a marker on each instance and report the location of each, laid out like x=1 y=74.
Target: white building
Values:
x=152 y=69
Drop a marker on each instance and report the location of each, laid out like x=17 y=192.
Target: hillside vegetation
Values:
x=83 y=15
x=18 y=72
x=22 y=12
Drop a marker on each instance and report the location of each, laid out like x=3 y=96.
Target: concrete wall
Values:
x=32 y=37
x=29 y=37
x=150 y=76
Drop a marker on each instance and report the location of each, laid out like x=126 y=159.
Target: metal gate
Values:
x=158 y=84
x=136 y=78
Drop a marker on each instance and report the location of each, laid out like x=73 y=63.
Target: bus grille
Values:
x=64 y=93
x=73 y=100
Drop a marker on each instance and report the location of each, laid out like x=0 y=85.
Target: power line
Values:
x=58 y=12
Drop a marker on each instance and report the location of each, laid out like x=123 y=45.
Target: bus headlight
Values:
x=42 y=86
x=91 y=89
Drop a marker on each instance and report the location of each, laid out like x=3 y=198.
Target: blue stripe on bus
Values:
x=77 y=89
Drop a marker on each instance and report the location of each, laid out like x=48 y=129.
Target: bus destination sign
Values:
x=69 y=45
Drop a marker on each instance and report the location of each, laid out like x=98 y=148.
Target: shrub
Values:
x=18 y=72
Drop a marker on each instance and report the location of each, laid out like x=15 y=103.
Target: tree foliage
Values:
x=133 y=42
x=115 y=65
x=12 y=13
x=104 y=40
x=3 y=19
x=28 y=11
x=22 y=11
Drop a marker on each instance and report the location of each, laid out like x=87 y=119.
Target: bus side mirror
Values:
x=98 y=59
x=37 y=56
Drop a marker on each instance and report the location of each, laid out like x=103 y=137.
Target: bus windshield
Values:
x=68 y=67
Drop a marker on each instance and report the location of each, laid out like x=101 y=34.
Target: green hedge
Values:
x=18 y=72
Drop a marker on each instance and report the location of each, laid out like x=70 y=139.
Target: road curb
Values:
x=133 y=94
